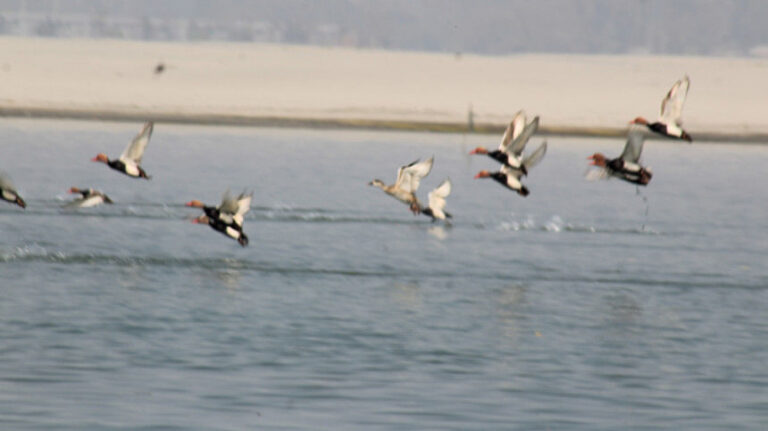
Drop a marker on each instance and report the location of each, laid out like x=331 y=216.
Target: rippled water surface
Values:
x=585 y=306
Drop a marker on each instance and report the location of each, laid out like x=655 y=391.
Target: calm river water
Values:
x=585 y=306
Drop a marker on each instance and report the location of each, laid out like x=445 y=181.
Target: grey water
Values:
x=585 y=306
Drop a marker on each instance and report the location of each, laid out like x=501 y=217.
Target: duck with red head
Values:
x=509 y=176
x=228 y=217
x=8 y=191
x=627 y=166
x=231 y=210
x=510 y=151
x=210 y=211
x=506 y=177
x=129 y=160
x=669 y=122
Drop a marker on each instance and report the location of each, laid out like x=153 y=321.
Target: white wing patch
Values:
x=231 y=210
x=409 y=177
x=514 y=129
x=513 y=176
x=634 y=147
x=243 y=206
x=535 y=157
x=437 y=199
x=517 y=145
x=88 y=202
x=672 y=105
x=134 y=152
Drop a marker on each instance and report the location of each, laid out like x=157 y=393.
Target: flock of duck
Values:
x=515 y=164
x=228 y=217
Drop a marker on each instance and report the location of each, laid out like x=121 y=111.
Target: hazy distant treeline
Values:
x=703 y=27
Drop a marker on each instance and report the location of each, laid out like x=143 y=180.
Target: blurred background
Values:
x=496 y=27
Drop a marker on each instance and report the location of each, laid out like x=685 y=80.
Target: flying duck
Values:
x=627 y=166
x=436 y=198
x=88 y=198
x=228 y=217
x=669 y=123
x=408 y=180
x=510 y=151
x=128 y=162
x=230 y=210
x=510 y=177
x=8 y=191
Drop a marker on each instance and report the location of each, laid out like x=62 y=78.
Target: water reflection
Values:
x=440 y=232
x=230 y=278
x=508 y=304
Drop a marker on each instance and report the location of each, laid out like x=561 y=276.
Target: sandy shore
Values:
x=257 y=84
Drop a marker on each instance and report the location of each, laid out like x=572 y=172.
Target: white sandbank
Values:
x=262 y=81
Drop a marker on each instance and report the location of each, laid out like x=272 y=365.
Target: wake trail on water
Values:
x=556 y=224
x=288 y=214
x=528 y=273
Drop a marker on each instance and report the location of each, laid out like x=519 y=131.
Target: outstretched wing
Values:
x=514 y=129
x=672 y=105
x=401 y=172
x=135 y=150
x=409 y=177
x=231 y=210
x=227 y=208
x=243 y=206
x=535 y=157
x=634 y=147
x=517 y=145
x=437 y=196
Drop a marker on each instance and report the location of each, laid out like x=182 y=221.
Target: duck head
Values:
x=597 y=159
x=194 y=203
x=101 y=157
x=74 y=190
x=242 y=240
x=377 y=183
x=639 y=120
x=20 y=202
x=483 y=174
x=479 y=150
